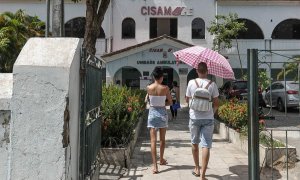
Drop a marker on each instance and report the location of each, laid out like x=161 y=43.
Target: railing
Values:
x=90 y=129
x=286 y=130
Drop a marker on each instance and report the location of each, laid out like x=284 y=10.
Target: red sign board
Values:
x=166 y=11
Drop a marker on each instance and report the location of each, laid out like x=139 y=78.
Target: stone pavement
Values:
x=226 y=162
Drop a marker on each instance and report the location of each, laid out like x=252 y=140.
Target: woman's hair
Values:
x=157 y=73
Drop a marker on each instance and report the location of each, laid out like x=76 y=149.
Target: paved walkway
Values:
x=226 y=162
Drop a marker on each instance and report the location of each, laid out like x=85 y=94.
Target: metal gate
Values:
x=90 y=125
x=267 y=60
x=282 y=97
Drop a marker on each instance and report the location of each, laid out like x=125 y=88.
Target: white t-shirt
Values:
x=191 y=88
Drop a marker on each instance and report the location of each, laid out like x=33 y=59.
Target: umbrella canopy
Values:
x=216 y=63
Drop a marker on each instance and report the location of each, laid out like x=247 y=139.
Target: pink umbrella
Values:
x=216 y=63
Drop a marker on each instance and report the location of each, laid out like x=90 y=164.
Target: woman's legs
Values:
x=153 y=149
x=162 y=140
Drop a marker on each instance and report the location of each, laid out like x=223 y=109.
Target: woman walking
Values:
x=159 y=97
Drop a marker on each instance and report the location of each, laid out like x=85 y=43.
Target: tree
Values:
x=291 y=68
x=95 y=11
x=15 y=30
x=226 y=28
x=58 y=18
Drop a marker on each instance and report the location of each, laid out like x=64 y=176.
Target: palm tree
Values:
x=15 y=29
x=291 y=68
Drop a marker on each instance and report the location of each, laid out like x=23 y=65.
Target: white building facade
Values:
x=132 y=30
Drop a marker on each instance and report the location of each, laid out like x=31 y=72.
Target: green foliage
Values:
x=266 y=140
x=225 y=28
x=15 y=30
x=121 y=107
x=263 y=80
x=291 y=68
x=234 y=113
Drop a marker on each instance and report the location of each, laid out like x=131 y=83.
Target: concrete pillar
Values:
x=45 y=91
x=6 y=81
x=182 y=87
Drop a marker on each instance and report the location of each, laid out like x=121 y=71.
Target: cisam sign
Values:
x=166 y=11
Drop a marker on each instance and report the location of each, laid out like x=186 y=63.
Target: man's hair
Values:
x=202 y=68
x=157 y=73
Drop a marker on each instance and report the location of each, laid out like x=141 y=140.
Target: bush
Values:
x=121 y=107
x=233 y=113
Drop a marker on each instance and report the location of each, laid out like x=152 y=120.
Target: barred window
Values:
x=198 y=28
x=128 y=28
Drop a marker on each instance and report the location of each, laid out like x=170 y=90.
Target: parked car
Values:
x=239 y=89
x=279 y=93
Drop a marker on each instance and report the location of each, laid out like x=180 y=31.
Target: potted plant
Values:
x=122 y=114
x=232 y=125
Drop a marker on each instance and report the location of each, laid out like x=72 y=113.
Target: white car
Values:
x=278 y=92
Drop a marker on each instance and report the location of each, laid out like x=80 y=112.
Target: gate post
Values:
x=253 y=125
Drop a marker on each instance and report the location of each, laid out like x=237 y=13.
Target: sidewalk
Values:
x=226 y=162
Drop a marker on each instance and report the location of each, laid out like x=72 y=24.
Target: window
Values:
x=161 y=26
x=198 y=28
x=76 y=28
x=287 y=29
x=146 y=73
x=128 y=28
x=253 y=30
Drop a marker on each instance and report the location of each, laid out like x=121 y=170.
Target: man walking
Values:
x=201 y=123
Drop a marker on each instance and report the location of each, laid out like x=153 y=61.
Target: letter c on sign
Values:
x=144 y=10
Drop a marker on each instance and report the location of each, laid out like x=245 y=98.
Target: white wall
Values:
x=72 y=161
x=267 y=17
x=204 y=9
x=6 y=84
x=45 y=74
x=133 y=57
x=4 y=142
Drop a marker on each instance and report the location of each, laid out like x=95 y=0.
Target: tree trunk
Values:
x=238 y=50
x=58 y=18
x=94 y=18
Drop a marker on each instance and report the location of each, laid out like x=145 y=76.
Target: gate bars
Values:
x=90 y=125
x=253 y=128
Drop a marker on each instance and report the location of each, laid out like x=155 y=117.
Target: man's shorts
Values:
x=202 y=131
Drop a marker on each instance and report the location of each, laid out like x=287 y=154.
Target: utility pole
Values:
x=253 y=126
x=58 y=18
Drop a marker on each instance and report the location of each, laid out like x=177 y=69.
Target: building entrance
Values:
x=128 y=76
x=170 y=75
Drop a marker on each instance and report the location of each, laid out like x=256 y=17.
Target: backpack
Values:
x=201 y=100
x=173 y=94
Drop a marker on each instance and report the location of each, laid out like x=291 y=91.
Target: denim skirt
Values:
x=157 y=117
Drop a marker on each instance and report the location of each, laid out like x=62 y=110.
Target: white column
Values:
x=182 y=87
x=46 y=74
